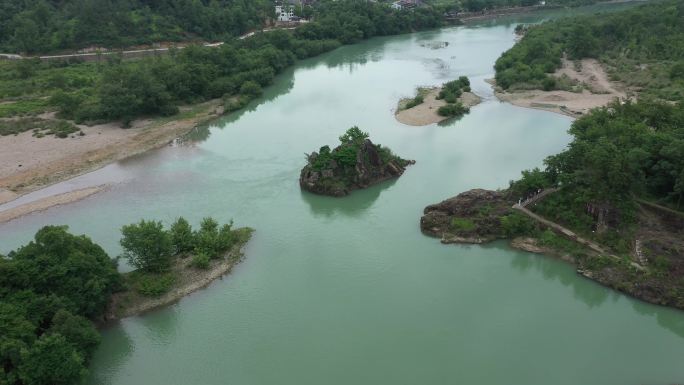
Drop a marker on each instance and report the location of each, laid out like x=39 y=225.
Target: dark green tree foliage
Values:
x=453 y=110
x=73 y=268
x=652 y=32
x=450 y=93
x=181 y=236
x=235 y=71
x=47 y=289
x=213 y=241
x=618 y=152
x=51 y=360
x=147 y=246
x=46 y=25
x=354 y=20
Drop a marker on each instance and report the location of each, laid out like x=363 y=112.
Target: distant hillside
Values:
x=642 y=47
x=47 y=25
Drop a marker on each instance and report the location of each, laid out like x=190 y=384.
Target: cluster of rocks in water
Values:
x=355 y=164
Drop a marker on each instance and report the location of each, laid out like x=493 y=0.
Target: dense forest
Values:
x=484 y=5
x=53 y=290
x=622 y=153
x=643 y=47
x=46 y=25
x=236 y=71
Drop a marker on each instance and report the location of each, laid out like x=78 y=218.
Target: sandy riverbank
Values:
x=46 y=203
x=188 y=279
x=597 y=91
x=426 y=112
x=28 y=163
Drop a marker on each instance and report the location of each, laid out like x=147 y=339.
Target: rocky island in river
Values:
x=355 y=164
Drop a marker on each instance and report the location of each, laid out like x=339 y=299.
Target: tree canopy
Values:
x=49 y=289
x=643 y=47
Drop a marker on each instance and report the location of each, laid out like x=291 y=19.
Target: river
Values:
x=348 y=291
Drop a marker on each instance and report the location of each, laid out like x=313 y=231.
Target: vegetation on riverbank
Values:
x=40 y=127
x=642 y=47
x=451 y=93
x=120 y=90
x=432 y=105
x=54 y=289
x=42 y=26
x=356 y=163
x=489 y=5
x=618 y=153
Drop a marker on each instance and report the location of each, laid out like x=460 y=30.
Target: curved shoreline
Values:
x=130 y=303
x=48 y=202
x=148 y=135
x=597 y=91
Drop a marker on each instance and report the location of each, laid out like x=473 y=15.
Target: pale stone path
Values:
x=522 y=207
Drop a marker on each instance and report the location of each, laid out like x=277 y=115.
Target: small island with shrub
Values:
x=173 y=263
x=433 y=105
x=56 y=289
x=355 y=164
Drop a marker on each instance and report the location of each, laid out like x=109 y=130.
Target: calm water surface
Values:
x=348 y=291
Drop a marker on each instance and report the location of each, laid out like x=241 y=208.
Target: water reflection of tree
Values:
x=161 y=325
x=352 y=205
x=282 y=85
x=593 y=294
x=112 y=354
x=670 y=319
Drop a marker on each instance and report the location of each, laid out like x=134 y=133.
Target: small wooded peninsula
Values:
x=355 y=164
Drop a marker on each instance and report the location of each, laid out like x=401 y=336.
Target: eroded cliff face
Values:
x=340 y=172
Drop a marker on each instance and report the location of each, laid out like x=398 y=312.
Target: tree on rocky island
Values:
x=356 y=163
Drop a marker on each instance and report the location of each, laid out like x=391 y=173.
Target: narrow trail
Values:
x=522 y=207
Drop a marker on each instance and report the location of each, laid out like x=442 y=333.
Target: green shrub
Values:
x=549 y=83
x=516 y=224
x=181 y=236
x=415 y=101
x=250 y=88
x=452 y=110
x=462 y=224
x=200 y=261
x=154 y=285
x=147 y=246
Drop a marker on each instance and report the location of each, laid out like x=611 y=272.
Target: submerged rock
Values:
x=355 y=164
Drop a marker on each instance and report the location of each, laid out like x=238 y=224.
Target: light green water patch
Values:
x=348 y=291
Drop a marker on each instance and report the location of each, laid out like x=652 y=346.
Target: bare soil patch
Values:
x=28 y=163
x=597 y=91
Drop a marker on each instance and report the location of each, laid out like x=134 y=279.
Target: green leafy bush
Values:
x=201 y=261
x=516 y=224
x=182 y=238
x=462 y=224
x=453 y=110
x=154 y=285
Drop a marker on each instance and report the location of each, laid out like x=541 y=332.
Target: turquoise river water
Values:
x=348 y=291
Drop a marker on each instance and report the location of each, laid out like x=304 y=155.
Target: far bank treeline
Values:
x=89 y=92
x=55 y=287
x=641 y=47
x=33 y=26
